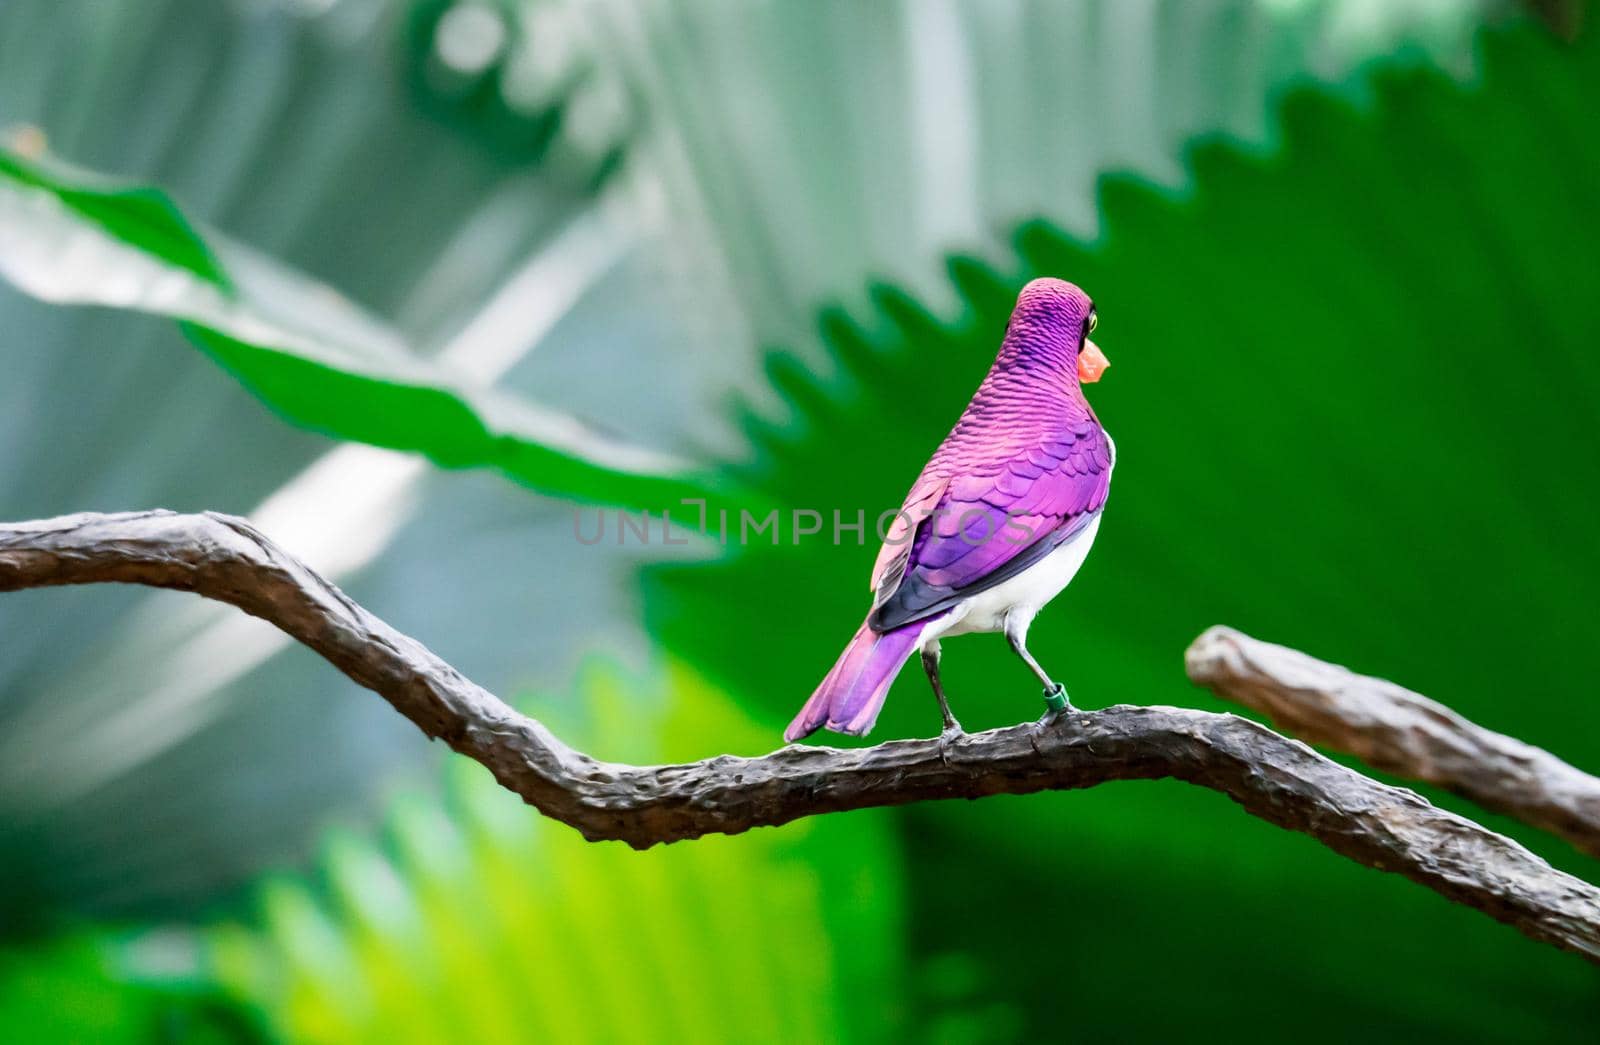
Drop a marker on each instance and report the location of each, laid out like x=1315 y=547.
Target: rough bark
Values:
x=1393 y=729
x=1280 y=780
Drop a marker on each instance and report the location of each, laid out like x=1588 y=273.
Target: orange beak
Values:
x=1091 y=362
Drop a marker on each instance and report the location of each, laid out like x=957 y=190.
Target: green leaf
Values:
x=141 y=216
x=76 y=238
x=1353 y=390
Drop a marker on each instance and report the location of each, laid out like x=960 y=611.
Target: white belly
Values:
x=1022 y=595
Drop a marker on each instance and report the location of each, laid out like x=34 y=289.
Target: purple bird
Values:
x=996 y=525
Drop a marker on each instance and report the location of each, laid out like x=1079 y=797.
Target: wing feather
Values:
x=971 y=531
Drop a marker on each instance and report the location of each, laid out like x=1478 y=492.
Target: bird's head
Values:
x=1054 y=316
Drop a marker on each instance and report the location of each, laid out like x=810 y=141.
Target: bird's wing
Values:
x=993 y=522
x=896 y=550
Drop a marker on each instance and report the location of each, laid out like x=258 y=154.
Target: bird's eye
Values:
x=1094 y=321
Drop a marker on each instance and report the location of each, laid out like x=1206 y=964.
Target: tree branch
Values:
x=1280 y=780
x=1393 y=729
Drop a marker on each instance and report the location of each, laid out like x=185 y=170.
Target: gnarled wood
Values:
x=1393 y=729
x=1280 y=780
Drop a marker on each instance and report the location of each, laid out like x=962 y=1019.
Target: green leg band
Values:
x=1056 y=699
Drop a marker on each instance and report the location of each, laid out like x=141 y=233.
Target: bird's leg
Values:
x=1055 y=694
x=930 y=664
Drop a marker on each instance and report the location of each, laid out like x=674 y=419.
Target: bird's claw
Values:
x=951 y=733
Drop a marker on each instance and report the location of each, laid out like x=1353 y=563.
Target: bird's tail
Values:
x=849 y=699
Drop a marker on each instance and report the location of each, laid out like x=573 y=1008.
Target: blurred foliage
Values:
x=512 y=73
x=470 y=918
x=808 y=147
x=476 y=920
x=1351 y=389
x=1565 y=17
x=298 y=346
x=108 y=988
x=286 y=126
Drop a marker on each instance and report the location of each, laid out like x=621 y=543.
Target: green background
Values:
x=1352 y=388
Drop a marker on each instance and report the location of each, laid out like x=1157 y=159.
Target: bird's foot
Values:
x=949 y=737
x=1055 y=700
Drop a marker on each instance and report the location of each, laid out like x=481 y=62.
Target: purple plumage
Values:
x=985 y=533
x=849 y=699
